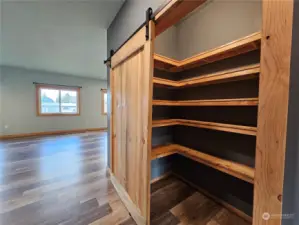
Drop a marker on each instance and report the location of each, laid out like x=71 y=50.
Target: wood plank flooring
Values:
x=174 y=202
x=63 y=180
x=58 y=180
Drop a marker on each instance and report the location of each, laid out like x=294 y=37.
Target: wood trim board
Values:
x=112 y=114
x=273 y=111
x=51 y=133
x=149 y=66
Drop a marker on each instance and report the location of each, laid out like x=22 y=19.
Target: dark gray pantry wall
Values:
x=291 y=179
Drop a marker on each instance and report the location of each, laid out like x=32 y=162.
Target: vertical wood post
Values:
x=149 y=66
x=273 y=111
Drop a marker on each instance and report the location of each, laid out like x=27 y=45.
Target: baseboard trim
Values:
x=216 y=199
x=125 y=198
x=163 y=176
x=51 y=133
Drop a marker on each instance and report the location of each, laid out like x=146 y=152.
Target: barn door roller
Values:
x=148 y=18
x=108 y=61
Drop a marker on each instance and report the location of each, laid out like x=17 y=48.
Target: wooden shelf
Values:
x=212 y=102
x=165 y=123
x=234 y=48
x=163 y=151
x=165 y=63
x=240 y=73
x=166 y=82
x=246 y=130
x=238 y=170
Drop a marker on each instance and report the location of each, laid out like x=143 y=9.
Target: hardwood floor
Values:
x=174 y=202
x=63 y=180
x=58 y=180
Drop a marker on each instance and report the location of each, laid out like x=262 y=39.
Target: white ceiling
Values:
x=63 y=36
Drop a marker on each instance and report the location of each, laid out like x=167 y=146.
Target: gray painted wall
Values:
x=166 y=43
x=291 y=179
x=128 y=19
x=216 y=23
x=202 y=30
x=18 y=109
x=1 y=123
x=233 y=20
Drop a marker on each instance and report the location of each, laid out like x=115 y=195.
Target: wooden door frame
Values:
x=111 y=136
x=273 y=111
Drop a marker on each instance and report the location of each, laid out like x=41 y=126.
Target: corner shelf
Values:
x=165 y=63
x=234 y=48
x=165 y=123
x=212 y=102
x=238 y=170
x=246 y=130
x=163 y=151
x=236 y=74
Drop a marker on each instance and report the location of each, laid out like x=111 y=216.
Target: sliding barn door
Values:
x=131 y=88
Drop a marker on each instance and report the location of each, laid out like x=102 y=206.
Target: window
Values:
x=104 y=102
x=57 y=100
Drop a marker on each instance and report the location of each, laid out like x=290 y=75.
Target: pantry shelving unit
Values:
x=224 y=109
x=177 y=95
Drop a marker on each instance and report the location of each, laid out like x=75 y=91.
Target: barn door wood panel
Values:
x=132 y=73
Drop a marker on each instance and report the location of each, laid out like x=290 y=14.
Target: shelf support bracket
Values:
x=149 y=17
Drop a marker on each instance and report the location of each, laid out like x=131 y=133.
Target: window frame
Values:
x=104 y=91
x=59 y=88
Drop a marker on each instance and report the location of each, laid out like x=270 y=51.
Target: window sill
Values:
x=58 y=114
